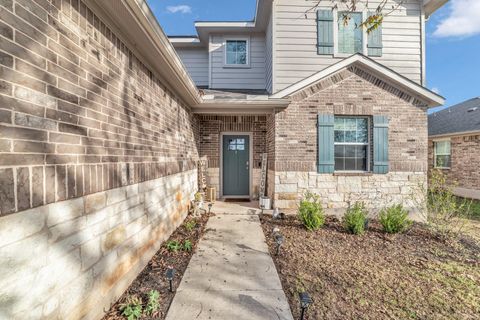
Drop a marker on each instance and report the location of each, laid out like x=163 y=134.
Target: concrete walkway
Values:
x=231 y=276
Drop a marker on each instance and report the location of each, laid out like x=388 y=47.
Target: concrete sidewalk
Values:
x=231 y=276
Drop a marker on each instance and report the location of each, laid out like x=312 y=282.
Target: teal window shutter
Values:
x=380 y=144
x=375 y=44
x=326 y=161
x=325 y=31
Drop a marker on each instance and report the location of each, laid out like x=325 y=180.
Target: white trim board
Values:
x=423 y=93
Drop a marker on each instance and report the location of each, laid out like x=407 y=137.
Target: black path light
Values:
x=169 y=275
x=210 y=205
x=305 y=302
x=279 y=239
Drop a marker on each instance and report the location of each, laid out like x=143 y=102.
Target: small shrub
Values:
x=173 y=246
x=153 y=303
x=187 y=245
x=190 y=225
x=132 y=308
x=394 y=219
x=355 y=218
x=310 y=212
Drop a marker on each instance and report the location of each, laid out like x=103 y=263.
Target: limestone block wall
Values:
x=72 y=259
x=337 y=192
x=97 y=160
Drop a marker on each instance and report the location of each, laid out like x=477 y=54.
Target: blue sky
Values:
x=453 y=38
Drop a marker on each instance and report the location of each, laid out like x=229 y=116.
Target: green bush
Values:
x=190 y=225
x=132 y=308
x=187 y=245
x=310 y=211
x=355 y=218
x=174 y=246
x=153 y=304
x=394 y=219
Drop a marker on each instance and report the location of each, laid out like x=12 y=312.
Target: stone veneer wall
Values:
x=210 y=129
x=349 y=92
x=465 y=151
x=97 y=161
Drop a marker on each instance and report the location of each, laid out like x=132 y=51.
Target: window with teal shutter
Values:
x=325 y=31
x=350 y=33
x=326 y=161
x=380 y=144
x=375 y=43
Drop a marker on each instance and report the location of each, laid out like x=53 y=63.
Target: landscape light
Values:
x=210 y=205
x=305 y=302
x=279 y=241
x=169 y=275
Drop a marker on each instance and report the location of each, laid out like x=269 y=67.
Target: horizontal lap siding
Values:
x=296 y=39
x=239 y=78
x=196 y=62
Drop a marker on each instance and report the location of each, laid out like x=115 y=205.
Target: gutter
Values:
x=454 y=134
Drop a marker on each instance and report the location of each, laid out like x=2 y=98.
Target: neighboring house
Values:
x=339 y=111
x=454 y=145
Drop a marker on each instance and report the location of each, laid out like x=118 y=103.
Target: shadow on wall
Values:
x=68 y=256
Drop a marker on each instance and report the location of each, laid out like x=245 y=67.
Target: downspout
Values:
x=423 y=47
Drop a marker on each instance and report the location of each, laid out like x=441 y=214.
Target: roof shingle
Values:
x=463 y=117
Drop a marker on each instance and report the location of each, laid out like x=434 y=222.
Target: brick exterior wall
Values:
x=465 y=155
x=211 y=128
x=90 y=140
x=349 y=92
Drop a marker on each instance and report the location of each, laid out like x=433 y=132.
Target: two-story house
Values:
x=339 y=110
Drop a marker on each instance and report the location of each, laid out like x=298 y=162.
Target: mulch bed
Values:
x=153 y=275
x=413 y=275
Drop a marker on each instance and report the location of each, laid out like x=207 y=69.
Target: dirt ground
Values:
x=375 y=275
x=153 y=276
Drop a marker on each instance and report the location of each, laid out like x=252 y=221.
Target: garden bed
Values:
x=376 y=276
x=153 y=275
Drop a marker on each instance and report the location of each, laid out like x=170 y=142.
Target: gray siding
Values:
x=196 y=62
x=238 y=78
x=296 y=37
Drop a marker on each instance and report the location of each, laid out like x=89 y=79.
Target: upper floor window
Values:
x=350 y=32
x=351 y=143
x=442 y=154
x=341 y=33
x=236 y=53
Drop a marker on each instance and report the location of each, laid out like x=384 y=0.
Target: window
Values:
x=350 y=35
x=236 y=144
x=236 y=53
x=351 y=139
x=443 y=158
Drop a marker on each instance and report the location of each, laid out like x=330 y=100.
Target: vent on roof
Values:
x=473 y=109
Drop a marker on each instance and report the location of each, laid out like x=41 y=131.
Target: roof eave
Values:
x=432 y=99
x=430 y=6
x=453 y=134
x=233 y=106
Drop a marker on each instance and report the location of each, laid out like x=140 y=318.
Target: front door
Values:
x=236 y=165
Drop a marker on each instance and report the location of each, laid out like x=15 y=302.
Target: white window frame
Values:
x=235 y=38
x=368 y=143
x=435 y=153
x=337 y=54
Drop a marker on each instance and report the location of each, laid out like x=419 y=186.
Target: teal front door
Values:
x=236 y=165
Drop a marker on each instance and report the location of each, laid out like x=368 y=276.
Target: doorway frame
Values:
x=250 y=164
